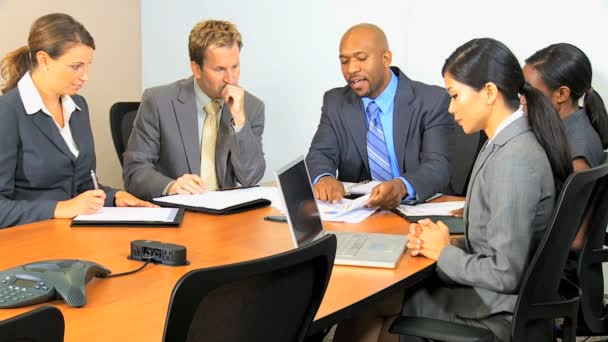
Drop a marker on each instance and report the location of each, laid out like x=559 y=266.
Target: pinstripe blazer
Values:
x=509 y=202
x=37 y=168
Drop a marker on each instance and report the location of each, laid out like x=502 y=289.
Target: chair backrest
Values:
x=541 y=281
x=44 y=324
x=268 y=299
x=122 y=115
x=594 y=314
x=463 y=152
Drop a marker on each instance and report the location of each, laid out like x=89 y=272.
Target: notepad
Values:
x=127 y=216
x=220 y=202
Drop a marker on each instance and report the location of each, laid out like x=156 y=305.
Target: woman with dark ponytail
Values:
x=512 y=192
x=563 y=73
x=46 y=144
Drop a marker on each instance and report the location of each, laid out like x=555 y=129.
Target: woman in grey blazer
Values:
x=46 y=144
x=510 y=199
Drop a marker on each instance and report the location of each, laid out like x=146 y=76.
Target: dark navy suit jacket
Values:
x=37 y=168
x=422 y=132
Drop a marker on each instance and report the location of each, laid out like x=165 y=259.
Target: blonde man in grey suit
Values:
x=200 y=133
x=510 y=200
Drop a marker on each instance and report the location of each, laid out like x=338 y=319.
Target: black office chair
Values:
x=44 y=324
x=544 y=293
x=593 y=312
x=463 y=152
x=122 y=115
x=269 y=299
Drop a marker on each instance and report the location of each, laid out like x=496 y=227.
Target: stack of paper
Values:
x=350 y=211
x=431 y=209
x=360 y=188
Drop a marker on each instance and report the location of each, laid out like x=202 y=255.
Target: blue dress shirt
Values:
x=386 y=103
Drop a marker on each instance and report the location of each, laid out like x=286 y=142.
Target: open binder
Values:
x=217 y=202
x=131 y=217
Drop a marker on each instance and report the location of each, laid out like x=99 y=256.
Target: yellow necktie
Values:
x=210 y=127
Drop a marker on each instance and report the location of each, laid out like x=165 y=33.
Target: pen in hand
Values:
x=94 y=178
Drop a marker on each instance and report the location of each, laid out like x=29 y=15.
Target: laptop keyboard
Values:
x=349 y=245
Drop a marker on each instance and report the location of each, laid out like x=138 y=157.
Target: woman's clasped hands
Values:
x=428 y=238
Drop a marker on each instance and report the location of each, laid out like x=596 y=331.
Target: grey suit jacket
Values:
x=164 y=143
x=509 y=202
x=423 y=129
x=37 y=168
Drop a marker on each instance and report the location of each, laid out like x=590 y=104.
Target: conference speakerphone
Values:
x=42 y=281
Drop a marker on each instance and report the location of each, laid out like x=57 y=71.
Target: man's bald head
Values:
x=365 y=60
x=369 y=32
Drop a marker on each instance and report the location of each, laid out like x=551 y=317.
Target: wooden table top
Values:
x=135 y=306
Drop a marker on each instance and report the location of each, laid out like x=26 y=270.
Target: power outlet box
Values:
x=160 y=252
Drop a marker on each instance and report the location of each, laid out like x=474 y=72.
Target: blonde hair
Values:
x=206 y=33
x=54 y=34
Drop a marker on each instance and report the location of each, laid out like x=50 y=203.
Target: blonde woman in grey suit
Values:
x=511 y=196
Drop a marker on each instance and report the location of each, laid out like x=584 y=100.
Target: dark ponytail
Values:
x=596 y=111
x=549 y=131
x=484 y=60
x=566 y=65
x=54 y=34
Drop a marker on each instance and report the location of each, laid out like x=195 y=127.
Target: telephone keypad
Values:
x=13 y=294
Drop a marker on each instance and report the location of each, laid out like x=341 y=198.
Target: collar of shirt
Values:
x=386 y=98
x=506 y=122
x=32 y=101
x=574 y=116
x=203 y=99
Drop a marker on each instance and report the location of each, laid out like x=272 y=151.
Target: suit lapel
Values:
x=486 y=151
x=79 y=132
x=402 y=114
x=185 y=111
x=47 y=126
x=354 y=118
x=514 y=129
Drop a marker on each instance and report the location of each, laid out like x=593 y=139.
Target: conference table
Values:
x=134 y=307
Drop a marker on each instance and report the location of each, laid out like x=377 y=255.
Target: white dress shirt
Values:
x=32 y=101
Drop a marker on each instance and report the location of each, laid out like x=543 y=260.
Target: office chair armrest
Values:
x=598 y=256
x=439 y=330
x=565 y=307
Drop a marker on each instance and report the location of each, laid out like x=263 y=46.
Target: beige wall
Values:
x=116 y=69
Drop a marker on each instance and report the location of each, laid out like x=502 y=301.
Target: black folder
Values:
x=177 y=220
x=237 y=208
x=456 y=224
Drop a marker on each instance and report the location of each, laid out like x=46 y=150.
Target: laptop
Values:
x=354 y=248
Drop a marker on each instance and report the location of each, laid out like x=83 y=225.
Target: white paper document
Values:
x=219 y=200
x=350 y=211
x=126 y=214
x=431 y=209
x=360 y=188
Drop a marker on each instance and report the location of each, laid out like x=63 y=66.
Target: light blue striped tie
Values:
x=379 y=162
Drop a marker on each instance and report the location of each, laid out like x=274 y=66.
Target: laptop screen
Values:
x=301 y=208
